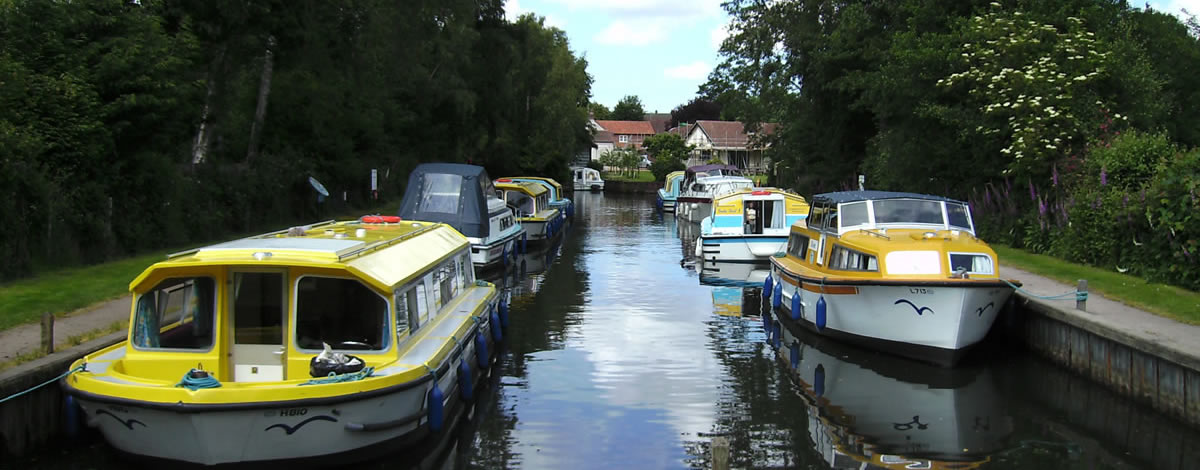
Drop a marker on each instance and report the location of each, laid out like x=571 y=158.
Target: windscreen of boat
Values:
x=908 y=212
x=521 y=201
x=440 y=193
x=177 y=314
x=343 y=313
x=959 y=216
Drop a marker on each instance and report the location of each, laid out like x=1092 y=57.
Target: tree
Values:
x=699 y=108
x=669 y=152
x=599 y=111
x=628 y=109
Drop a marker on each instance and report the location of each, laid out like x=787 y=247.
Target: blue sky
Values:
x=659 y=50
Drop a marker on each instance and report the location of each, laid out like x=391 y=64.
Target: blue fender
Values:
x=435 y=407
x=464 y=380
x=796 y=312
x=497 y=335
x=819 y=380
x=778 y=329
x=821 y=313
x=766 y=291
x=72 y=416
x=481 y=351
x=777 y=296
x=794 y=349
x=503 y=313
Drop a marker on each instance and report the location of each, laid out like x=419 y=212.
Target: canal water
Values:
x=622 y=353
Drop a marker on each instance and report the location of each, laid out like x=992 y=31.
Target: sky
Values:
x=660 y=50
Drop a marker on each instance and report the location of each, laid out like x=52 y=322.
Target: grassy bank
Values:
x=65 y=290
x=1168 y=301
x=642 y=176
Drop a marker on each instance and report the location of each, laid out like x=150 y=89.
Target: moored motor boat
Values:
x=667 y=194
x=464 y=197
x=695 y=202
x=587 y=179
x=531 y=204
x=749 y=225
x=900 y=272
x=558 y=199
x=318 y=343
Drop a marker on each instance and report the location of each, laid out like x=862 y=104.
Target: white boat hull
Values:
x=743 y=248
x=249 y=432
x=487 y=254
x=932 y=323
x=693 y=211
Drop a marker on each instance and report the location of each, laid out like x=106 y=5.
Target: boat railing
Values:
x=261 y=235
x=385 y=243
x=875 y=233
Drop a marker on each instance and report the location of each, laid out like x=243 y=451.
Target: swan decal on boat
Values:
x=979 y=311
x=291 y=429
x=127 y=423
x=919 y=311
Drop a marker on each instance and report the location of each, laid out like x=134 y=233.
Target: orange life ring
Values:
x=380 y=219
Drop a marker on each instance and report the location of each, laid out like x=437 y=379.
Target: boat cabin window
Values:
x=411 y=309
x=448 y=283
x=845 y=259
x=440 y=193
x=177 y=314
x=762 y=214
x=798 y=246
x=908 y=211
x=959 y=216
x=855 y=214
x=831 y=219
x=816 y=215
x=519 y=201
x=343 y=313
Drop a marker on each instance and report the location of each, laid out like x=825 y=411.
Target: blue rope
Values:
x=188 y=382
x=334 y=378
x=1078 y=294
x=82 y=367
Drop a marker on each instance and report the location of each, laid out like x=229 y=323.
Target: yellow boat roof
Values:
x=381 y=254
x=762 y=191
x=543 y=178
x=532 y=189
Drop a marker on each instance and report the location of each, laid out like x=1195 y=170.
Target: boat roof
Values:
x=853 y=196
x=527 y=187
x=737 y=194
x=469 y=211
x=382 y=254
x=723 y=179
x=707 y=168
x=550 y=181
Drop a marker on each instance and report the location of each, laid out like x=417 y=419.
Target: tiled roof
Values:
x=732 y=133
x=659 y=121
x=627 y=127
x=603 y=136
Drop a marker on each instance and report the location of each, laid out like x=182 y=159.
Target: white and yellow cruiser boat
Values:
x=900 y=272
x=219 y=363
x=749 y=225
x=531 y=204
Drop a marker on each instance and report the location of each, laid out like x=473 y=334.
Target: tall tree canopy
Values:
x=628 y=109
x=699 y=108
x=128 y=126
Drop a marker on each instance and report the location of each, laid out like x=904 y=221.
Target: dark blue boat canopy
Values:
x=852 y=196
x=450 y=193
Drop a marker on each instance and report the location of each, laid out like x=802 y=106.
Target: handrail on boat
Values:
x=385 y=243
x=873 y=232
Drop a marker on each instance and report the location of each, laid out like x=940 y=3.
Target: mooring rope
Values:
x=334 y=377
x=81 y=367
x=1077 y=294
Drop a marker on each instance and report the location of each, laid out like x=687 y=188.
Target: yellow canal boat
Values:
x=531 y=203
x=900 y=272
x=327 y=341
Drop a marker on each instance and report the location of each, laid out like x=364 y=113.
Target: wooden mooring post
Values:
x=720 y=453
x=1081 y=301
x=48 y=332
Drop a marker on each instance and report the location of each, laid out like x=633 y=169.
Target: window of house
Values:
x=624 y=139
x=177 y=314
x=343 y=313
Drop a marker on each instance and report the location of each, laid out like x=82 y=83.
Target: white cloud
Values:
x=1175 y=7
x=644 y=8
x=554 y=21
x=697 y=70
x=718 y=35
x=512 y=10
x=632 y=33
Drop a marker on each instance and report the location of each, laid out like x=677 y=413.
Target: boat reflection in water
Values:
x=871 y=410
x=737 y=287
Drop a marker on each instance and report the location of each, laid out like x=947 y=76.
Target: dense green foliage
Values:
x=130 y=126
x=628 y=109
x=669 y=152
x=1019 y=106
x=699 y=108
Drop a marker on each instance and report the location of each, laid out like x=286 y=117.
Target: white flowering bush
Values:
x=1031 y=82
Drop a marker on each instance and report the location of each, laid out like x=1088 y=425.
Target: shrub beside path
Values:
x=27 y=338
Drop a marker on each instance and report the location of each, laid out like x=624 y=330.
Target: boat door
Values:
x=579 y=177
x=258 y=302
